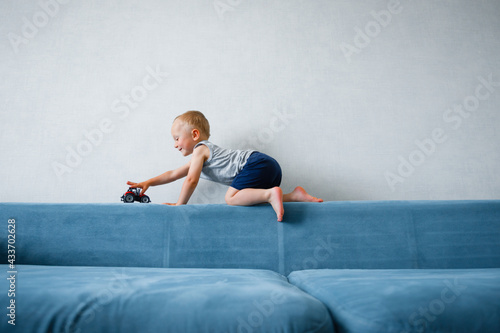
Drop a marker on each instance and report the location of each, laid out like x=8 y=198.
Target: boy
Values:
x=253 y=177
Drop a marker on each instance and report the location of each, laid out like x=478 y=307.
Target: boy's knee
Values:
x=230 y=198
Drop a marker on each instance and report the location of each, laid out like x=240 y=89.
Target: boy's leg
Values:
x=253 y=196
x=300 y=195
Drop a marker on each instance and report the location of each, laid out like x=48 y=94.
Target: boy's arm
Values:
x=200 y=155
x=164 y=178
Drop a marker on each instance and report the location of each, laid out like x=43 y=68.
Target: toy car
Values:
x=134 y=194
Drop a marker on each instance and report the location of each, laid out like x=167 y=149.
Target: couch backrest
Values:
x=364 y=235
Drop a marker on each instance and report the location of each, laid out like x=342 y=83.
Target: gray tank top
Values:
x=223 y=164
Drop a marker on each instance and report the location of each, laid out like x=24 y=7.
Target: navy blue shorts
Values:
x=260 y=171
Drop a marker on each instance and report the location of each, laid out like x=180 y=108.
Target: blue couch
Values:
x=403 y=266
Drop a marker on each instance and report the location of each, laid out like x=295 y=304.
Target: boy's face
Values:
x=184 y=139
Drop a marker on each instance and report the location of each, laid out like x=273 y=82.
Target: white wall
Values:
x=358 y=100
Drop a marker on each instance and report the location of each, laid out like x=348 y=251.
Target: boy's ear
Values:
x=195 y=134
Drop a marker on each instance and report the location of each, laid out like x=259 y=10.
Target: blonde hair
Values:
x=197 y=120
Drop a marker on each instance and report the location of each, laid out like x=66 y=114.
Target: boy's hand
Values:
x=143 y=185
x=170 y=204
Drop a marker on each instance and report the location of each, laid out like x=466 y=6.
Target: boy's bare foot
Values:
x=300 y=195
x=276 y=200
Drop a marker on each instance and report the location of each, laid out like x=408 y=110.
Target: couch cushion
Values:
x=457 y=234
x=407 y=300
x=336 y=235
x=143 y=235
x=107 y=299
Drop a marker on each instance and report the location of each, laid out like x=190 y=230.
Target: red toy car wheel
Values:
x=129 y=198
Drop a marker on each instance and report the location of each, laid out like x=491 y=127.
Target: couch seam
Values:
x=166 y=244
x=281 y=249
x=414 y=245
